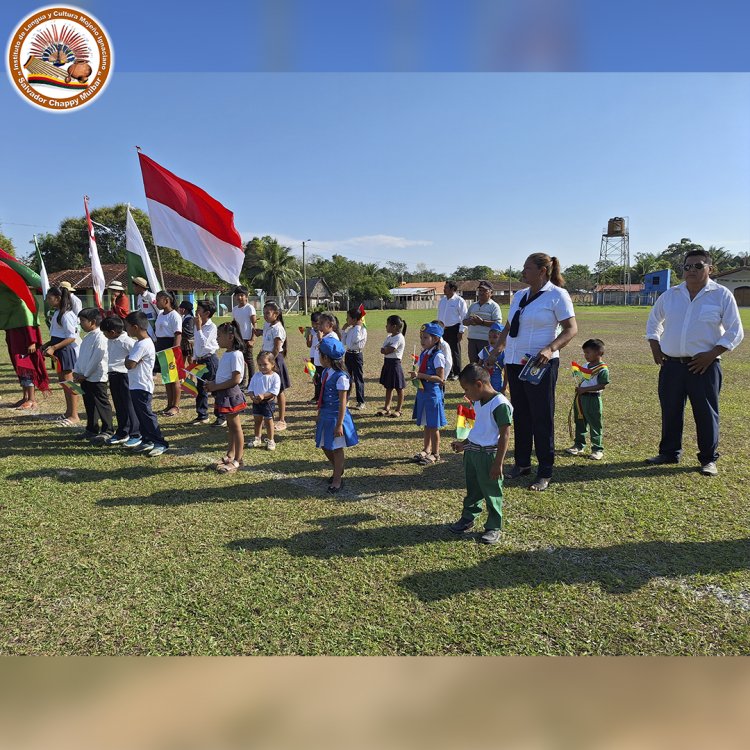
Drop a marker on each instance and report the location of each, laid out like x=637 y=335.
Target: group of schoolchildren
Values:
x=118 y=357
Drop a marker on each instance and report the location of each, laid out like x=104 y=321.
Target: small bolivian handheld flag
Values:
x=196 y=371
x=364 y=321
x=171 y=364
x=581 y=373
x=464 y=421
x=189 y=386
x=309 y=369
x=72 y=386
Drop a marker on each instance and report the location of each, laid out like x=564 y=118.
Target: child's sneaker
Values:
x=257 y=443
x=461 y=526
x=199 y=420
x=491 y=536
x=574 y=450
x=597 y=455
x=271 y=445
x=116 y=440
x=219 y=422
x=157 y=450
x=133 y=442
x=144 y=448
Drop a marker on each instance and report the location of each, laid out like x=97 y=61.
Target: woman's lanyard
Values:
x=516 y=322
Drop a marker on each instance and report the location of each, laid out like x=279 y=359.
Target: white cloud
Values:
x=373 y=241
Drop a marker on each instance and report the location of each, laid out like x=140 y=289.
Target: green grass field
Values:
x=105 y=553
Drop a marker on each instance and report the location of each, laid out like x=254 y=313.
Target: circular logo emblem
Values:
x=60 y=58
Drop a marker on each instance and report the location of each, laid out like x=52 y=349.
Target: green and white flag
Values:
x=139 y=262
x=42 y=270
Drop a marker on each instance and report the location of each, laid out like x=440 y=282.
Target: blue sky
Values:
x=442 y=168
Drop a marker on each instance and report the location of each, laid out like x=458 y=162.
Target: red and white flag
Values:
x=97 y=275
x=189 y=220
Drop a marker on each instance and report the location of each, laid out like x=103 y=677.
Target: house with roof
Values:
x=183 y=287
x=738 y=282
x=502 y=291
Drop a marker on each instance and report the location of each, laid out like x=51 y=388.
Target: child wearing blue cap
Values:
x=335 y=429
x=429 y=411
x=496 y=371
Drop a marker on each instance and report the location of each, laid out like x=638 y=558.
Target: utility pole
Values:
x=304 y=274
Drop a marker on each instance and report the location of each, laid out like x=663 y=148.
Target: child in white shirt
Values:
x=264 y=387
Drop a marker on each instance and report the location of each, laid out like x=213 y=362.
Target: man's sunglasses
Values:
x=699 y=266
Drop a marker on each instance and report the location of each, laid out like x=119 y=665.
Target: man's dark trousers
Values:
x=676 y=385
x=451 y=338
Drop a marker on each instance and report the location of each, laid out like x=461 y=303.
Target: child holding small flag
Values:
x=484 y=451
x=335 y=428
x=119 y=345
x=392 y=374
x=91 y=372
x=587 y=404
x=140 y=364
x=497 y=370
x=429 y=410
x=168 y=336
x=263 y=389
x=246 y=317
x=230 y=400
x=327 y=327
x=205 y=346
x=63 y=346
x=354 y=338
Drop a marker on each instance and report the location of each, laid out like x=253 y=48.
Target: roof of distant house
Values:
x=618 y=287
x=497 y=286
x=436 y=285
x=80 y=278
x=743 y=269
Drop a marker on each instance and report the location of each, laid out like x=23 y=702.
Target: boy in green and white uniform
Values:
x=484 y=453
x=587 y=405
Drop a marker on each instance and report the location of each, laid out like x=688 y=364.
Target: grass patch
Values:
x=104 y=553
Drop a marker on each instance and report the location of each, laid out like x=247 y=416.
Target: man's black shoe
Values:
x=662 y=459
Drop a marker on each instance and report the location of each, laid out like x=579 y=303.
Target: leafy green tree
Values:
x=579 y=276
x=69 y=246
x=372 y=288
x=473 y=273
x=6 y=243
x=271 y=266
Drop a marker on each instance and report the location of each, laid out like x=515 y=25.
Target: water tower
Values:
x=615 y=250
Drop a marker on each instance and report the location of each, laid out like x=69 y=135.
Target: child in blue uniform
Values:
x=429 y=410
x=335 y=430
x=497 y=370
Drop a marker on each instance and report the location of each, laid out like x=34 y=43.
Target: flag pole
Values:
x=156 y=247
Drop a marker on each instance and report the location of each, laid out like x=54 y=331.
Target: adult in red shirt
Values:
x=120 y=301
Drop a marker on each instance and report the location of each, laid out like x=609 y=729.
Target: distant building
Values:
x=738 y=282
x=502 y=291
x=183 y=287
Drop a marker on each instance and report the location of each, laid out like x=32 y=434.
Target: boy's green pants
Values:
x=479 y=486
x=589 y=414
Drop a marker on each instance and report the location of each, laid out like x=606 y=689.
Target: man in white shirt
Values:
x=145 y=300
x=689 y=328
x=451 y=313
x=481 y=315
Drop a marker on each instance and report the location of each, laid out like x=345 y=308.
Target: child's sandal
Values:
x=229 y=468
x=395 y=414
x=429 y=459
x=419 y=457
x=383 y=413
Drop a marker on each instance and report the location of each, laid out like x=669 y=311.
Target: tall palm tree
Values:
x=276 y=269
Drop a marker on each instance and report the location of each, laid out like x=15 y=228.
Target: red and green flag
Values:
x=171 y=365
x=363 y=313
x=309 y=369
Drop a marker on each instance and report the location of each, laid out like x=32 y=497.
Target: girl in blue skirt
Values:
x=429 y=410
x=335 y=430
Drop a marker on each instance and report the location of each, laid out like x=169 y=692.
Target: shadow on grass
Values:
x=68 y=475
x=619 y=569
x=338 y=536
x=241 y=491
x=586 y=470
